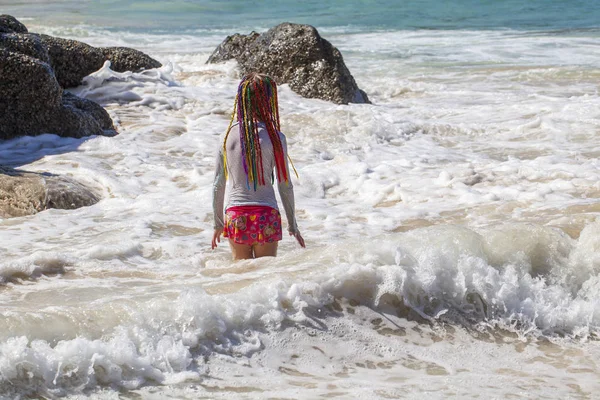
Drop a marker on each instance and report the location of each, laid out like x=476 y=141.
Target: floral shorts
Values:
x=252 y=225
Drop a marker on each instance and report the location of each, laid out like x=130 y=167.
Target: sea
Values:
x=452 y=226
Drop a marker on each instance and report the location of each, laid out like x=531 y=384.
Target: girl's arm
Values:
x=218 y=198
x=286 y=192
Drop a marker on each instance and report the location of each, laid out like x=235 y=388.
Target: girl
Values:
x=251 y=160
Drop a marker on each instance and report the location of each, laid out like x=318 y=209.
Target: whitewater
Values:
x=452 y=231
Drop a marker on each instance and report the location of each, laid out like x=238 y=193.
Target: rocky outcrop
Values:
x=233 y=47
x=32 y=102
x=9 y=24
x=125 y=59
x=34 y=70
x=73 y=60
x=297 y=55
x=25 y=43
x=26 y=193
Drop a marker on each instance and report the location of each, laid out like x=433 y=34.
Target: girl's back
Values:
x=241 y=191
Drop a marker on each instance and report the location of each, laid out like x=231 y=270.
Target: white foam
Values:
x=436 y=271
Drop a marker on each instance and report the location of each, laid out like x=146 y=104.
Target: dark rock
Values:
x=29 y=95
x=82 y=117
x=34 y=69
x=32 y=102
x=297 y=55
x=26 y=193
x=73 y=60
x=125 y=59
x=24 y=43
x=66 y=194
x=9 y=24
x=233 y=47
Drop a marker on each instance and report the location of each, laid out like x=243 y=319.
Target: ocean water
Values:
x=453 y=238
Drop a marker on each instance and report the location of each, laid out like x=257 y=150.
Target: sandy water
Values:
x=452 y=231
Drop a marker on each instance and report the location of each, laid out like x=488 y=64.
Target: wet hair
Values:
x=256 y=103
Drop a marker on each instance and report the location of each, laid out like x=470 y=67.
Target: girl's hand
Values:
x=299 y=238
x=216 y=237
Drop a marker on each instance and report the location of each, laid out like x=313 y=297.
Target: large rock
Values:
x=73 y=60
x=32 y=102
x=26 y=193
x=9 y=24
x=297 y=55
x=25 y=43
x=34 y=70
x=125 y=59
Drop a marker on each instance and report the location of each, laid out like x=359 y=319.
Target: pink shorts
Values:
x=252 y=225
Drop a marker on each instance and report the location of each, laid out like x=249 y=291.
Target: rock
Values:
x=21 y=195
x=297 y=55
x=25 y=43
x=66 y=194
x=9 y=24
x=125 y=59
x=30 y=95
x=26 y=193
x=33 y=102
x=234 y=46
x=73 y=60
x=34 y=70
x=79 y=117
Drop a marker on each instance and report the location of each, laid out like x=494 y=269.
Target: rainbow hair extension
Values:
x=255 y=103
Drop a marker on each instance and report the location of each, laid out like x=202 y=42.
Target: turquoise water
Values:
x=181 y=15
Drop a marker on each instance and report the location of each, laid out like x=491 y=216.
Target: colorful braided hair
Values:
x=256 y=102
